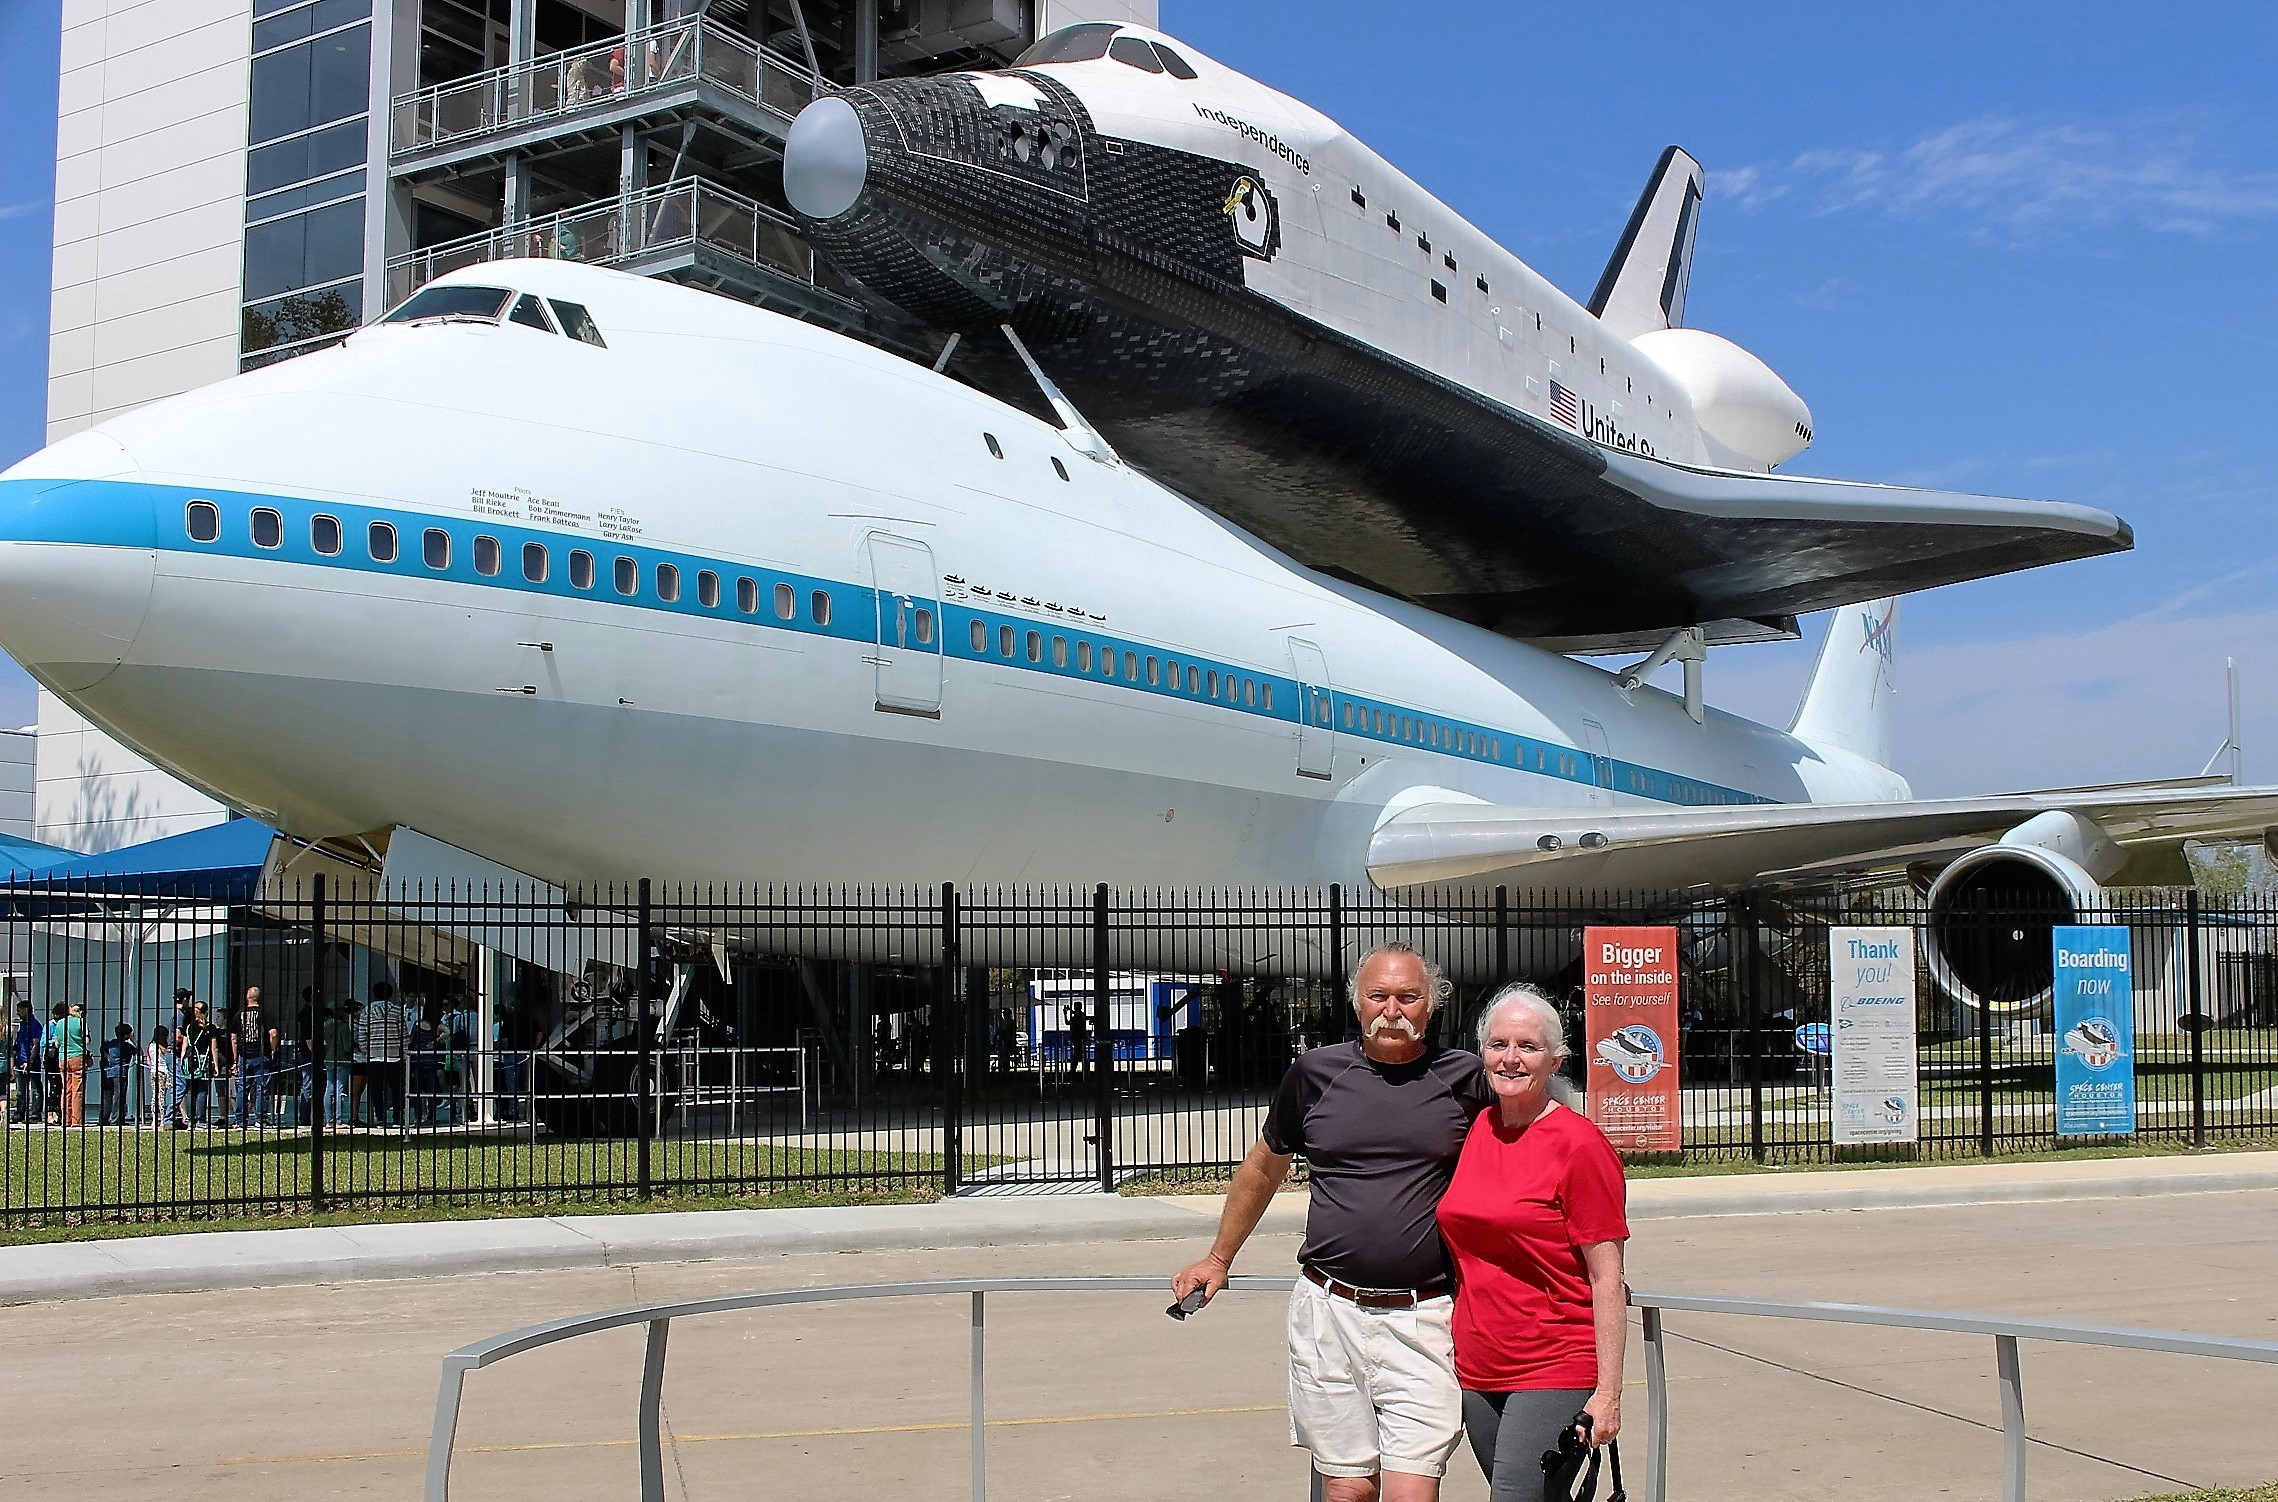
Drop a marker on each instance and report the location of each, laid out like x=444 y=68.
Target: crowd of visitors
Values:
x=386 y=1062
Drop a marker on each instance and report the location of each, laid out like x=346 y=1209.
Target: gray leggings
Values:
x=1510 y=1430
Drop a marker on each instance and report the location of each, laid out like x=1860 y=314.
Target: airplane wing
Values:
x=1731 y=846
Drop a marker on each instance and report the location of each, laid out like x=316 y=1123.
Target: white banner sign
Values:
x=1871 y=1004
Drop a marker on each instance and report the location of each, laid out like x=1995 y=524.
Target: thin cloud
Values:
x=2150 y=173
x=22 y=210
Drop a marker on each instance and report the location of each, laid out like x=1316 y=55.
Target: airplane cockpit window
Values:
x=577 y=323
x=1070 y=44
x=1173 y=64
x=1133 y=52
x=530 y=314
x=465 y=304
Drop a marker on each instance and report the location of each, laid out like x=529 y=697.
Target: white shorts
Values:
x=1372 y=1389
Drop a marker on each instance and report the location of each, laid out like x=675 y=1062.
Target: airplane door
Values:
x=909 y=626
x=1316 y=744
x=1601 y=762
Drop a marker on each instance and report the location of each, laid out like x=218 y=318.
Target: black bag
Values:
x=1570 y=1472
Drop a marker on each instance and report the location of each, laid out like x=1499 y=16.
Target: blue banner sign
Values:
x=2096 y=1032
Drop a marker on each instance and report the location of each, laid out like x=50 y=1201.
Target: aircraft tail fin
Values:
x=1850 y=705
x=1644 y=285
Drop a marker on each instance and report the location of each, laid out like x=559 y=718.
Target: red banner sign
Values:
x=1629 y=1009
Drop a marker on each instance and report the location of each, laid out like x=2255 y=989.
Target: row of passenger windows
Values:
x=1393 y=725
x=203 y=520
x=267 y=527
x=1156 y=672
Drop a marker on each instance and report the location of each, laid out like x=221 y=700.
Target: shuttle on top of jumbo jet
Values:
x=569 y=573
x=1267 y=316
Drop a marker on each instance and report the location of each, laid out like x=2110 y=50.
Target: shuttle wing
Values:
x=1494 y=516
x=1730 y=846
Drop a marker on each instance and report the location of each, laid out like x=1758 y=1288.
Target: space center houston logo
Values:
x=1629 y=1009
x=2095 y=1019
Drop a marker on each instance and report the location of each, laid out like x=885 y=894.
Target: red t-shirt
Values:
x=1522 y=1205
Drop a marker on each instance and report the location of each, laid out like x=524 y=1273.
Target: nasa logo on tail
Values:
x=1255 y=216
x=1880 y=638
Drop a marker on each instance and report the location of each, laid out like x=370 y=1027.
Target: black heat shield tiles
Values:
x=1120 y=270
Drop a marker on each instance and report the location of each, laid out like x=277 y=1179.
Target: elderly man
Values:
x=1381 y=1122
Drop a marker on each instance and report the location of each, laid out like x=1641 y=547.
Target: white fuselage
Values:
x=1363 y=248
x=578 y=733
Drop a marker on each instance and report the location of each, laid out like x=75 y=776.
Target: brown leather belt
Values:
x=1376 y=1298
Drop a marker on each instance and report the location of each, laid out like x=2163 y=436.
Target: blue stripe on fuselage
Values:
x=139 y=514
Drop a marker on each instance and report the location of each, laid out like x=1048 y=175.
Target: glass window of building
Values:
x=305 y=176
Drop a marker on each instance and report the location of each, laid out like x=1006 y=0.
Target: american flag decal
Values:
x=1564 y=407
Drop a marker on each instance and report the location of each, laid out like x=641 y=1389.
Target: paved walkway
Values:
x=196 y=1262
x=282 y=1394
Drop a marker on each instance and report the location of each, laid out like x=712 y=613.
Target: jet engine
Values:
x=1992 y=909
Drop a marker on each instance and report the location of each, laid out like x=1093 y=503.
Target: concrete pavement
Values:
x=269 y=1394
x=206 y=1261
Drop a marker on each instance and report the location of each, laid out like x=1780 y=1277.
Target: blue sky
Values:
x=2024 y=249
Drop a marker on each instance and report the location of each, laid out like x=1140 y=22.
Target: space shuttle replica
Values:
x=1267 y=316
x=1245 y=531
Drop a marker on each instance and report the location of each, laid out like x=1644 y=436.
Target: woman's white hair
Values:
x=1520 y=996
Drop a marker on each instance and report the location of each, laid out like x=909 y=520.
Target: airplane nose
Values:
x=825 y=160
x=76 y=569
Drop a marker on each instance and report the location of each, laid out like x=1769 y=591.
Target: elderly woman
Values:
x=1534 y=1220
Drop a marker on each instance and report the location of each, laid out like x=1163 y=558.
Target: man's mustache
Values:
x=1394 y=1022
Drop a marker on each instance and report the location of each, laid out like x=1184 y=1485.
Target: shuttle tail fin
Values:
x=1850 y=705
x=1644 y=285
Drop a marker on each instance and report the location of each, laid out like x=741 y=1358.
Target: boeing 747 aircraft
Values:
x=1270 y=318
x=589 y=575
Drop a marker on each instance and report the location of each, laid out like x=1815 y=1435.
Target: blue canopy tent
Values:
x=19 y=858
x=218 y=864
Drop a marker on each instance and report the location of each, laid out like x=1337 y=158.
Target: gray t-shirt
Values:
x=1380 y=1141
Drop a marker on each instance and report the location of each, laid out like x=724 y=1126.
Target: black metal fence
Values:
x=479 y=1047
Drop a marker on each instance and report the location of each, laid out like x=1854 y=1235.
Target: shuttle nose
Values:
x=76 y=563
x=825 y=160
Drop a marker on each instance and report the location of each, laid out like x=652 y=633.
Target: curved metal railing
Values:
x=2006 y=1333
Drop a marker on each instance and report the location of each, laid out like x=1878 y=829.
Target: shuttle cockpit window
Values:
x=1070 y=44
x=1133 y=52
x=452 y=304
x=577 y=323
x=1173 y=64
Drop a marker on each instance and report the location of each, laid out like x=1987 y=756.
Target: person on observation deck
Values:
x=1372 y=1388
x=1536 y=1221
